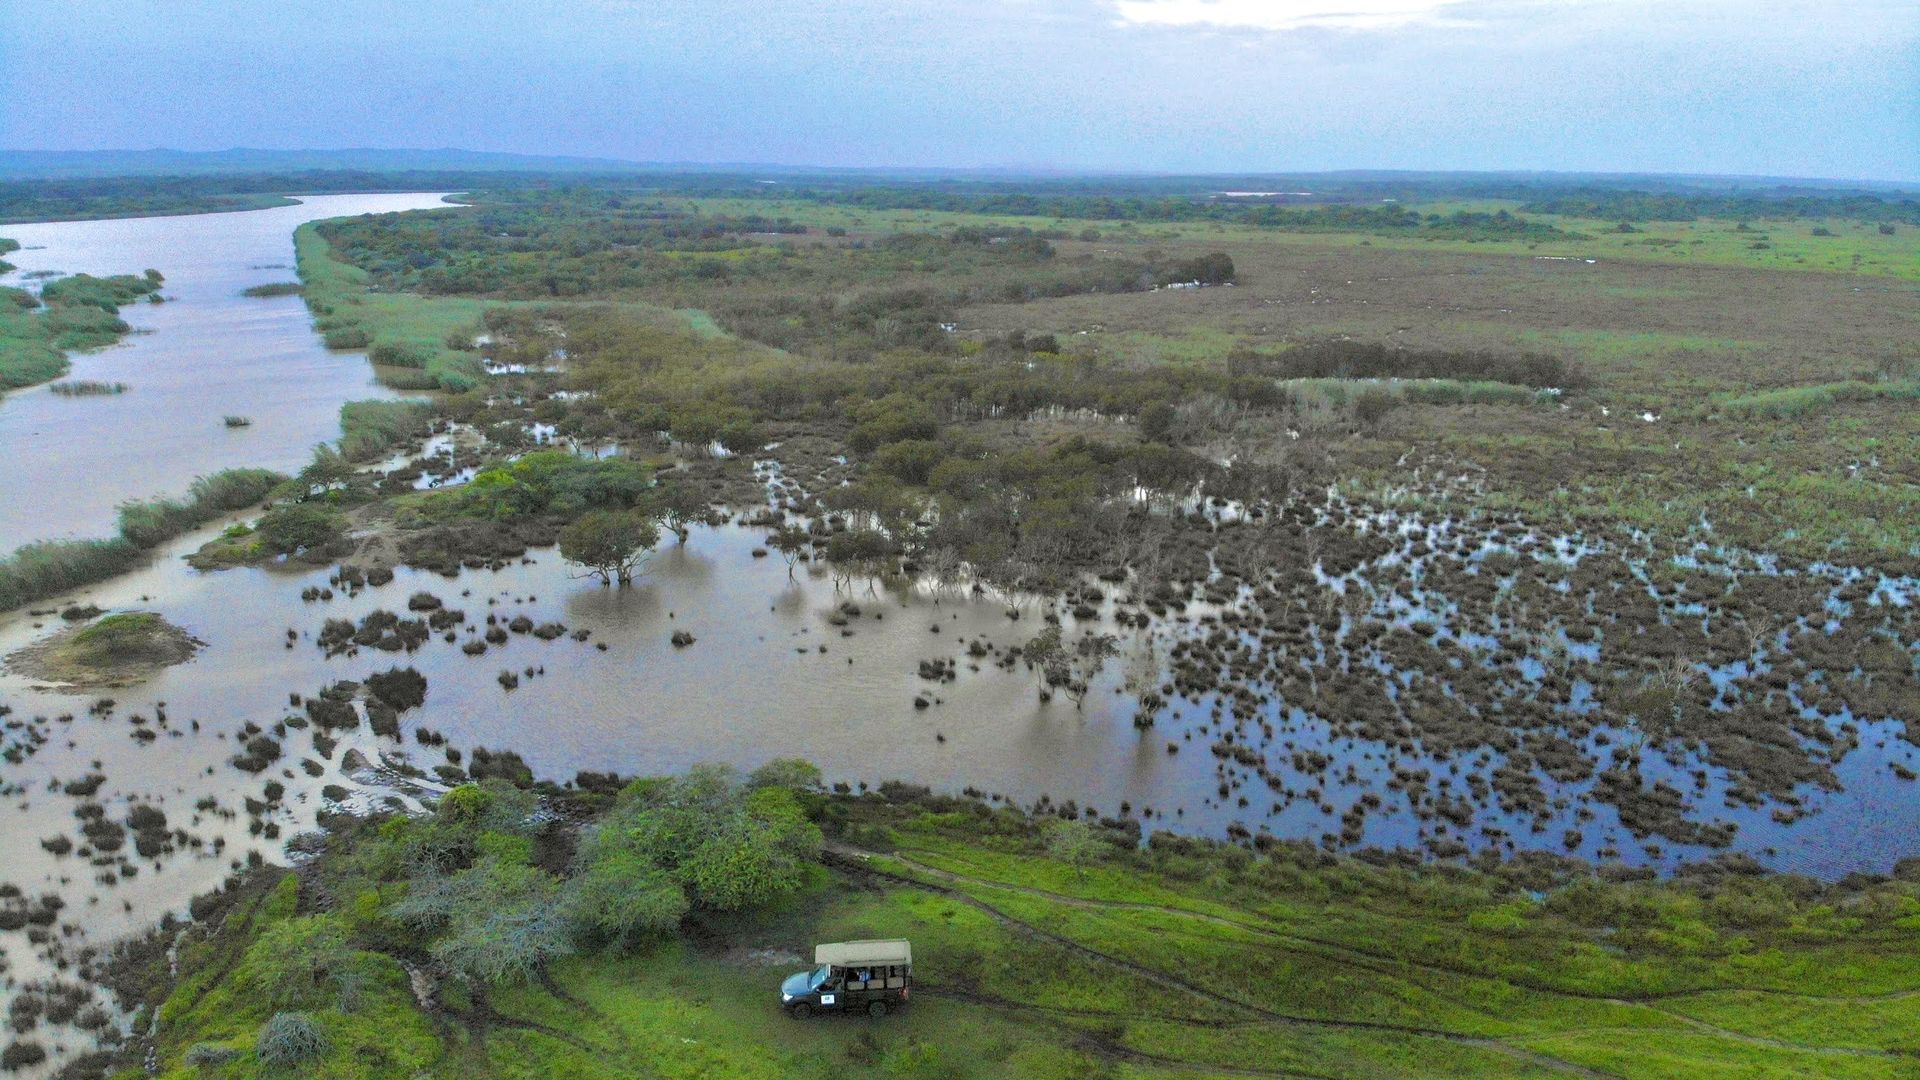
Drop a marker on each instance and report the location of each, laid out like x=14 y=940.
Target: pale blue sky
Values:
x=1779 y=87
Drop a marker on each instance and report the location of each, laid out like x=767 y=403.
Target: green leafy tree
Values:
x=706 y=840
x=498 y=921
x=611 y=544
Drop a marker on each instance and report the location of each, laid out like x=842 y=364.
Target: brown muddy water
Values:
x=207 y=353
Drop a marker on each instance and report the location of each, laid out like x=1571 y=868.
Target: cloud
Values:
x=1285 y=14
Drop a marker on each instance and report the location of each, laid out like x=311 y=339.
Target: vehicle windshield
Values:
x=819 y=976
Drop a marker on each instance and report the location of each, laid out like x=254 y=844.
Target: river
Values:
x=205 y=354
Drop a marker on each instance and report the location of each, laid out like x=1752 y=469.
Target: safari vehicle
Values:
x=865 y=976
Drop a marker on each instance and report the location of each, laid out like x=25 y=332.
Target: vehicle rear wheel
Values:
x=801 y=1011
x=876 y=1009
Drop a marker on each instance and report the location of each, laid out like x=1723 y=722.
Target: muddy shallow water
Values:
x=207 y=353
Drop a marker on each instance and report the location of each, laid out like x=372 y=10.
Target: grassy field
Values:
x=1183 y=961
x=1854 y=248
x=410 y=339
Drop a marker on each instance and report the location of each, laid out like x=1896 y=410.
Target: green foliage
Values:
x=1347 y=359
x=611 y=544
x=716 y=842
x=39 y=570
x=620 y=899
x=1074 y=843
x=80 y=312
x=369 y=429
x=551 y=482
x=495 y=921
x=299 y=964
x=47 y=568
x=295 y=527
x=1799 y=401
x=1204 y=957
x=155 y=521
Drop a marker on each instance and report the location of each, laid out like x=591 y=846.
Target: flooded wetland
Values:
x=1389 y=670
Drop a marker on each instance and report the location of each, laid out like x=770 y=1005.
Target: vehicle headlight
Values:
x=784 y=996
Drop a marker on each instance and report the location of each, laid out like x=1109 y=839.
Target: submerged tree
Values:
x=612 y=544
x=789 y=540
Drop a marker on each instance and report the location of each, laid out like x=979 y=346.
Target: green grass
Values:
x=1183 y=961
x=413 y=330
x=1798 y=401
x=1856 y=247
x=371 y=428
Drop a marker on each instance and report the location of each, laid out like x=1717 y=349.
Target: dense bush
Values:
x=551 y=482
x=295 y=527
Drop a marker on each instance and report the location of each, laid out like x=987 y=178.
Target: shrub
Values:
x=287 y=529
x=499 y=921
x=290 y=1038
x=297 y=963
x=911 y=460
x=402 y=688
x=401 y=354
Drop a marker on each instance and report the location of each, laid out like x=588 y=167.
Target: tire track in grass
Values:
x=857 y=861
x=1388 y=965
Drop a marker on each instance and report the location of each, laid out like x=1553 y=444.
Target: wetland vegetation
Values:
x=1562 y=557
x=74 y=313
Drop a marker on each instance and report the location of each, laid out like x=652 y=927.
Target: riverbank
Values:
x=207 y=354
x=1043 y=947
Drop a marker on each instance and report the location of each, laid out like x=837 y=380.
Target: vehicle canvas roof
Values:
x=845 y=953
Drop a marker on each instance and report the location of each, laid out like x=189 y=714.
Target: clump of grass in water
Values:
x=369 y=428
x=87 y=388
x=238 y=421
x=276 y=288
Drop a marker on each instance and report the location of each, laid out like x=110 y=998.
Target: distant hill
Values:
x=75 y=164
x=85 y=164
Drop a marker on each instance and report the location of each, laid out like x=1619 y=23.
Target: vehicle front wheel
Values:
x=876 y=1009
x=801 y=1011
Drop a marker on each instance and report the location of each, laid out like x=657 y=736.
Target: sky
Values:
x=1817 y=88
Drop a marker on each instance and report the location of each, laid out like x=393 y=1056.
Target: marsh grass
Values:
x=71 y=313
x=371 y=428
x=237 y=421
x=406 y=335
x=87 y=388
x=39 y=570
x=277 y=288
x=1798 y=401
x=49 y=567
